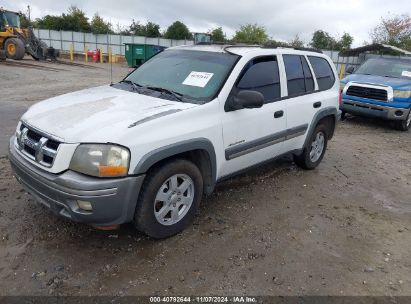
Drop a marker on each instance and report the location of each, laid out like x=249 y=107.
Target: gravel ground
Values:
x=342 y=229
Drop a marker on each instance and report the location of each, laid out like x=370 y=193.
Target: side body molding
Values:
x=329 y=111
x=162 y=153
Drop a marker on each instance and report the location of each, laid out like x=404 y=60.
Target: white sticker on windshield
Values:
x=198 y=79
x=406 y=73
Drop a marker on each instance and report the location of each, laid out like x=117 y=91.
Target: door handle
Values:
x=317 y=104
x=278 y=114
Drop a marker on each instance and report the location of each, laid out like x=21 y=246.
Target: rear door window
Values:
x=323 y=72
x=261 y=74
x=299 y=78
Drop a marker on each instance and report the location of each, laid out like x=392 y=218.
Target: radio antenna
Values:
x=110 y=57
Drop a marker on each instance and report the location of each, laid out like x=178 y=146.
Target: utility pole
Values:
x=28 y=12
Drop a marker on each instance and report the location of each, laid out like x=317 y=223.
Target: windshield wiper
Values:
x=177 y=95
x=136 y=86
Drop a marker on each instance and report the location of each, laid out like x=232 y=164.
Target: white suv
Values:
x=147 y=149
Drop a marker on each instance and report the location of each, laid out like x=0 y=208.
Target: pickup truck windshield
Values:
x=195 y=75
x=387 y=68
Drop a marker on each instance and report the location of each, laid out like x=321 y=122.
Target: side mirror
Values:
x=350 y=70
x=247 y=100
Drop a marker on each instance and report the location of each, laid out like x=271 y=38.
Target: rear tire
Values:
x=315 y=150
x=404 y=125
x=169 y=199
x=14 y=48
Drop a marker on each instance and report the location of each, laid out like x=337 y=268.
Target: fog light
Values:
x=398 y=113
x=85 y=205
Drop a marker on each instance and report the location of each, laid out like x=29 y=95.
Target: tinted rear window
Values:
x=299 y=78
x=323 y=72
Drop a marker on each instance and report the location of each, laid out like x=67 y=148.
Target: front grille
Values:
x=367 y=92
x=37 y=146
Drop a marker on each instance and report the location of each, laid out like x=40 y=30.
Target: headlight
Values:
x=402 y=94
x=101 y=160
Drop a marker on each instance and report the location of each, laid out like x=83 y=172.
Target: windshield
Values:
x=11 y=19
x=387 y=68
x=196 y=75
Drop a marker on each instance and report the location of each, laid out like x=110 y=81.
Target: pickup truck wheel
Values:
x=169 y=199
x=405 y=125
x=314 y=152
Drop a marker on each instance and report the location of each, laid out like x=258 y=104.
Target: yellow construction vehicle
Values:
x=15 y=41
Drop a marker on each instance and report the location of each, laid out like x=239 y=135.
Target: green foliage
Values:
x=324 y=41
x=178 y=30
x=25 y=22
x=151 y=29
x=393 y=30
x=49 y=22
x=217 y=35
x=75 y=20
x=296 y=42
x=252 y=34
x=99 y=26
x=136 y=28
x=345 y=42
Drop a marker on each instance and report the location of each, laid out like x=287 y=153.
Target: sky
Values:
x=283 y=19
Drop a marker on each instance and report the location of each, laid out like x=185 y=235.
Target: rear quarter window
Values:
x=323 y=72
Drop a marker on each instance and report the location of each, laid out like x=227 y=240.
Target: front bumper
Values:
x=372 y=110
x=113 y=200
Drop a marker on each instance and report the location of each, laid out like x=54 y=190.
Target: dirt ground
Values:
x=342 y=229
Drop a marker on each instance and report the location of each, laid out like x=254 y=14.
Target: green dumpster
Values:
x=137 y=54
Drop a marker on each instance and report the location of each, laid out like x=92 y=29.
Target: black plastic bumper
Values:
x=371 y=110
x=113 y=200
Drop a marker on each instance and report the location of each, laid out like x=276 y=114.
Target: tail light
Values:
x=340 y=98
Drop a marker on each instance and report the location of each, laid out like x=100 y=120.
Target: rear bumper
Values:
x=372 y=110
x=113 y=200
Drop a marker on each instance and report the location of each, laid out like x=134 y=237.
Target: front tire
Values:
x=404 y=125
x=314 y=152
x=14 y=48
x=169 y=199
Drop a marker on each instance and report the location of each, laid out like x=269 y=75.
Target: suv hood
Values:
x=395 y=83
x=97 y=114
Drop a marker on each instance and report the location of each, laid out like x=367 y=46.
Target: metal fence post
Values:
x=61 y=39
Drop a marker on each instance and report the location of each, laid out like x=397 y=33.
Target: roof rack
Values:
x=268 y=46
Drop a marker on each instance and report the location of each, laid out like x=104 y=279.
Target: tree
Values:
x=217 y=35
x=75 y=20
x=322 y=40
x=136 y=28
x=152 y=30
x=296 y=42
x=49 y=22
x=394 y=30
x=251 y=33
x=345 y=42
x=99 y=26
x=178 y=30
x=25 y=22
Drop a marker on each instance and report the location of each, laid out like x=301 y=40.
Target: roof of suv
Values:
x=241 y=49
